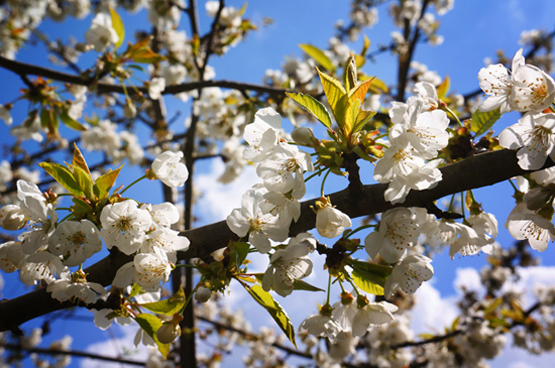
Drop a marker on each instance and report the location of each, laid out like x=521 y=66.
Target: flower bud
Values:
x=12 y=217
x=203 y=294
x=303 y=136
x=129 y=111
x=168 y=332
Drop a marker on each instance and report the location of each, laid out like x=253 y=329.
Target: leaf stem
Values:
x=358 y=229
x=453 y=115
x=133 y=183
x=324 y=182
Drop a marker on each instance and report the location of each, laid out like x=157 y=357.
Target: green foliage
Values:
x=150 y=324
x=117 y=24
x=370 y=272
x=104 y=183
x=241 y=252
x=313 y=106
x=276 y=311
x=318 y=55
x=481 y=122
x=170 y=306
x=366 y=285
x=70 y=122
x=63 y=176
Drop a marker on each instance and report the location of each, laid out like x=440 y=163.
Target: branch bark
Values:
x=478 y=171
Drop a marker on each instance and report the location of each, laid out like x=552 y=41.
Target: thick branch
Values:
x=478 y=171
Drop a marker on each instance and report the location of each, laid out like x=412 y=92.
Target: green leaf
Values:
x=63 y=176
x=378 y=86
x=84 y=180
x=169 y=306
x=242 y=250
x=117 y=24
x=318 y=55
x=49 y=120
x=104 y=183
x=333 y=90
x=303 y=285
x=79 y=160
x=276 y=311
x=150 y=324
x=362 y=118
x=81 y=207
x=147 y=56
x=71 y=122
x=135 y=290
x=366 y=285
x=443 y=88
x=481 y=122
x=372 y=272
x=313 y=106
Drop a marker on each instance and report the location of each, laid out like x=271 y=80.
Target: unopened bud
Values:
x=203 y=294
x=168 y=332
x=12 y=217
x=83 y=47
x=303 y=136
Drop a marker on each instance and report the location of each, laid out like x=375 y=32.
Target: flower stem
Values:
x=133 y=183
x=329 y=291
x=324 y=182
x=313 y=175
x=453 y=115
x=357 y=230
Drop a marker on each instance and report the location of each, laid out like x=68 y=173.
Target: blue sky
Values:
x=473 y=30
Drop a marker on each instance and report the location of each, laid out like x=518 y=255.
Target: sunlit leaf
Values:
x=117 y=24
x=150 y=324
x=303 y=285
x=241 y=252
x=135 y=290
x=362 y=118
x=318 y=55
x=372 y=272
x=332 y=88
x=105 y=182
x=79 y=160
x=276 y=311
x=63 y=176
x=443 y=88
x=168 y=306
x=85 y=182
x=313 y=106
x=147 y=56
x=481 y=122
x=71 y=122
x=366 y=285
x=378 y=86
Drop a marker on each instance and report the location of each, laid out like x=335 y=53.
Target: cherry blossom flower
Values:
x=398 y=231
x=43 y=223
x=344 y=311
x=102 y=321
x=156 y=87
x=75 y=242
x=262 y=135
x=283 y=171
x=372 y=314
x=168 y=167
x=152 y=268
x=525 y=224
x=408 y=275
x=533 y=136
x=101 y=34
x=41 y=266
x=12 y=217
x=250 y=219
x=124 y=226
x=75 y=287
x=321 y=325
x=330 y=222
x=11 y=256
x=288 y=265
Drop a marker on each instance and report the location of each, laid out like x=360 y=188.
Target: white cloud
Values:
x=432 y=313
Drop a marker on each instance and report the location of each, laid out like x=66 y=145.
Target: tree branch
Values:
x=474 y=172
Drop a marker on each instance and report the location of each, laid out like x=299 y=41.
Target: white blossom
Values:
x=168 y=167
x=101 y=34
x=75 y=241
x=330 y=222
x=408 y=275
x=372 y=314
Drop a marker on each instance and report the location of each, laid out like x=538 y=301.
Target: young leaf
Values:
x=359 y=92
x=372 y=272
x=443 y=88
x=71 y=122
x=276 y=311
x=481 y=122
x=332 y=88
x=242 y=250
x=366 y=285
x=350 y=78
x=150 y=324
x=135 y=290
x=378 y=86
x=49 y=120
x=81 y=207
x=84 y=180
x=104 y=183
x=63 y=176
x=303 y=285
x=318 y=55
x=147 y=56
x=79 y=160
x=313 y=106
x=168 y=306
x=362 y=118
x=117 y=24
